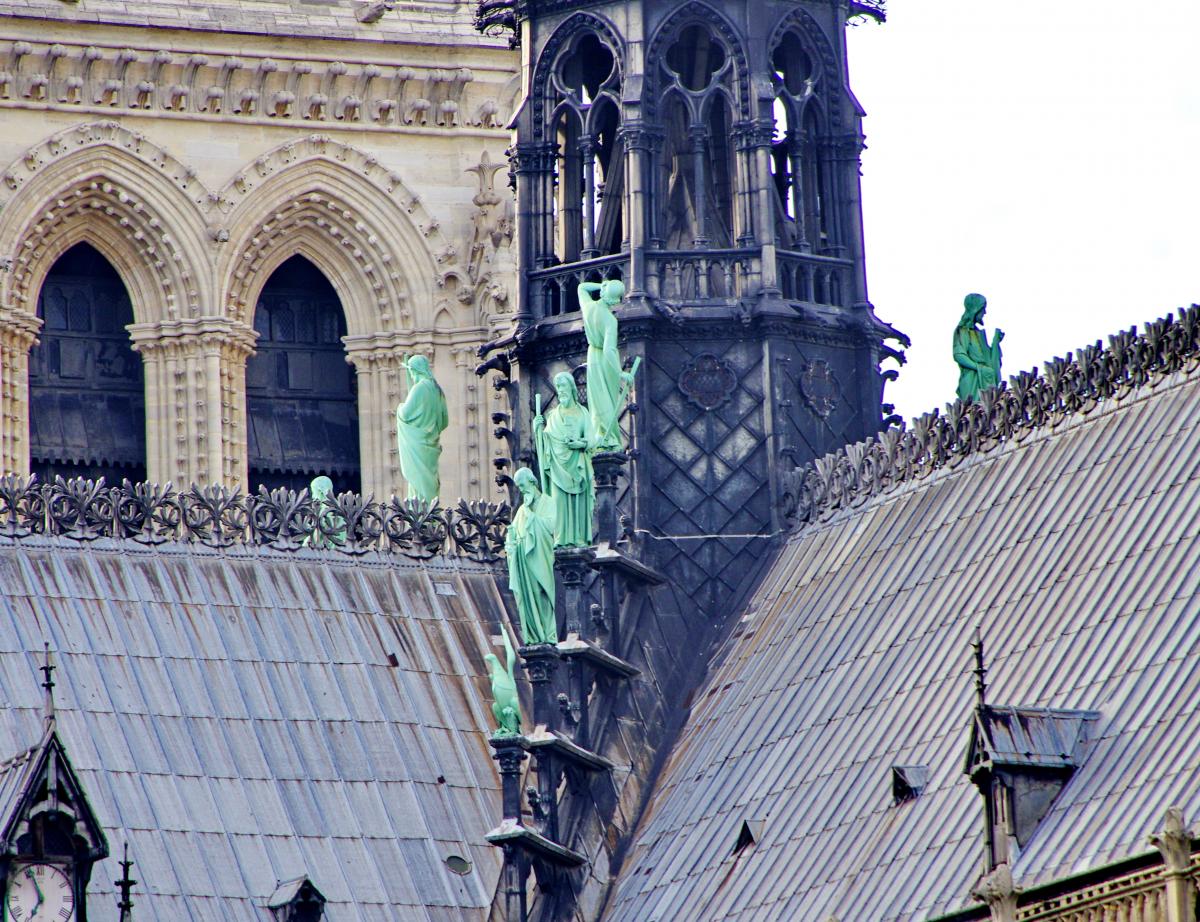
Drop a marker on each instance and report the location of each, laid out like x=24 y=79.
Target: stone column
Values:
x=18 y=334
x=760 y=135
x=698 y=138
x=195 y=374
x=637 y=141
x=533 y=165
x=379 y=363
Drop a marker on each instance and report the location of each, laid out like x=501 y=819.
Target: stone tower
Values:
x=707 y=154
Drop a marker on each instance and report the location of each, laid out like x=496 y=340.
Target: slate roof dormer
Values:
x=297 y=900
x=1020 y=758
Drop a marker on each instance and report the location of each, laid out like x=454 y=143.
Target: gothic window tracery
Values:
x=301 y=394
x=697 y=167
x=803 y=195
x=87 y=401
x=584 y=98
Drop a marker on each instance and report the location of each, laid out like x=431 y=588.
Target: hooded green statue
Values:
x=529 y=544
x=564 y=439
x=331 y=528
x=979 y=362
x=506 y=707
x=419 y=424
x=607 y=385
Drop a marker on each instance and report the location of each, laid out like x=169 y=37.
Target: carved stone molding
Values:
x=66 y=75
x=1067 y=388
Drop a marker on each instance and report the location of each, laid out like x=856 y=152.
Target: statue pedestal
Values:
x=572 y=564
x=510 y=753
x=540 y=661
x=607 y=466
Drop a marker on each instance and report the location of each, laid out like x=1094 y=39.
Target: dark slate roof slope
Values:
x=1075 y=545
x=236 y=718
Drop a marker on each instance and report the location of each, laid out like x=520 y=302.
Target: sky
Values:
x=1046 y=155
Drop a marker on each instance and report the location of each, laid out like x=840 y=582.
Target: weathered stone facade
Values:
x=196 y=161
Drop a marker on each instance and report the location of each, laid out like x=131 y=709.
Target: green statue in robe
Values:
x=506 y=707
x=419 y=424
x=607 y=385
x=979 y=362
x=331 y=525
x=529 y=544
x=564 y=439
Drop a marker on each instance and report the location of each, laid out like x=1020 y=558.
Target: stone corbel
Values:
x=1000 y=893
x=1174 y=843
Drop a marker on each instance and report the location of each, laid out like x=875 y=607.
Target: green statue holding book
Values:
x=564 y=439
x=978 y=361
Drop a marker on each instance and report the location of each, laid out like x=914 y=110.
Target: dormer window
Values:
x=1020 y=759
x=297 y=900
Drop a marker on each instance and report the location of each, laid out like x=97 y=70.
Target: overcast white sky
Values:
x=1044 y=154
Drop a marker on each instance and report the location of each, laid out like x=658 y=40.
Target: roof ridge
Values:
x=1068 y=386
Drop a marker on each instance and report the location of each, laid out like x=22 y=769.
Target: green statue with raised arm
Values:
x=419 y=424
x=506 y=706
x=608 y=386
x=978 y=362
x=529 y=544
x=564 y=439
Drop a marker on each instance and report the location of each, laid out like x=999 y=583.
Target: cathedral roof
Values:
x=252 y=716
x=1064 y=528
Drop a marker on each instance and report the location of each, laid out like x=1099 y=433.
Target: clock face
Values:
x=40 y=892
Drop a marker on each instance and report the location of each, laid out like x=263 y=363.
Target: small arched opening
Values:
x=87 y=408
x=301 y=394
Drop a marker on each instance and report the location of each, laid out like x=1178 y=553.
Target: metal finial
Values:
x=126 y=886
x=980 y=668
x=48 y=683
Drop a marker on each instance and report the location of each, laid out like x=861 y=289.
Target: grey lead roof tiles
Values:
x=235 y=737
x=1078 y=552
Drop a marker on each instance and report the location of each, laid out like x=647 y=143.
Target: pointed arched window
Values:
x=87 y=414
x=301 y=393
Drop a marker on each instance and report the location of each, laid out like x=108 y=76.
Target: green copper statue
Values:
x=607 y=385
x=419 y=424
x=331 y=526
x=979 y=363
x=506 y=707
x=564 y=439
x=529 y=544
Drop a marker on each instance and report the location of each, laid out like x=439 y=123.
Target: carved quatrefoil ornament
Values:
x=707 y=381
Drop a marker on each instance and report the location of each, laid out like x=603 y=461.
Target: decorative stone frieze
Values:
x=246 y=88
